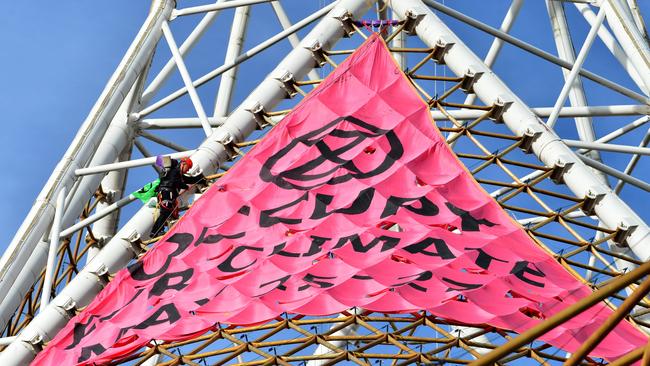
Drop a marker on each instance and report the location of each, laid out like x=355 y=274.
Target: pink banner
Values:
x=306 y=223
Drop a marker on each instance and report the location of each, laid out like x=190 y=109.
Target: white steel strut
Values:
x=105 y=140
x=122 y=248
x=82 y=149
x=548 y=147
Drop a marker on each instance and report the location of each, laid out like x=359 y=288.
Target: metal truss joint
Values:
x=260 y=116
x=593 y=196
x=499 y=107
x=561 y=167
x=35 y=342
x=67 y=304
x=532 y=133
x=227 y=140
x=109 y=196
x=470 y=77
x=623 y=232
x=441 y=48
x=288 y=83
x=135 y=243
x=411 y=21
x=346 y=20
x=101 y=271
x=318 y=53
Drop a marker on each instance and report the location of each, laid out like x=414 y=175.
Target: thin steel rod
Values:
x=497 y=44
x=54 y=246
x=612 y=45
x=460 y=115
x=625 y=129
x=216 y=6
x=129 y=164
x=546 y=325
x=582 y=55
x=228 y=78
x=83 y=148
x=632 y=164
x=175 y=122
x=98 y=215
x=243 y=57
x=112 y=186
x=5 y=341
x=186 y=47
x=536 y=51
x=187 y=79
x=161 y=141
x=608 y=147
x=293 y=38
x=631 y=40
x=638 y=18
x=619 y=314
x=566 y=51
x=615 y=173
x=146 y=153
x=116 y=254
x=538 y=219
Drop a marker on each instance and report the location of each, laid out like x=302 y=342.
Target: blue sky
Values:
x=55 y=63
x=57 y=60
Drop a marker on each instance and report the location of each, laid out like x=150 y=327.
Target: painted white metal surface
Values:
x=83 y=146
x=120 y=250
x=548 y=147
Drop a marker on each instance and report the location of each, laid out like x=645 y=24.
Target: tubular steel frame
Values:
x=501 y=161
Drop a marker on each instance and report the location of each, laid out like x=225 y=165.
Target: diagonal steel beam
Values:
x=84 y=146
x=519 y=118
x=536 y=51
x=212 y=152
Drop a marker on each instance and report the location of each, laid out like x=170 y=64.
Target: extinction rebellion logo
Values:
x=315 y=173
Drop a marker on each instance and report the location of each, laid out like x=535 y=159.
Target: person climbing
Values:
x=173 y=178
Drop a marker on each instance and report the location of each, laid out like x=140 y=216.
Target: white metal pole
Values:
x=83 y=146
x=633 y=42
x=638 y=18
x=129 y=164
x=99 y=214
x=164 y=142
x=54 y=246
x=612 y=45
x=216 y=6
x=491 y=56
x=622 y=176
x=564 y=45
x=608 y=147
x=187 y=79
x=6 y=340
x=293 y=38
x=632 y=164
x=497 y=44
x=570 y=79
x=186 y=47
x=461 y=115
x=243 y=57
x=113 y=187
x=536 y=51
x=228 y=78
x=548 y=147
x=121 y=249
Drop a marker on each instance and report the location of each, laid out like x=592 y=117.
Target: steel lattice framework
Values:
x=557 y=169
